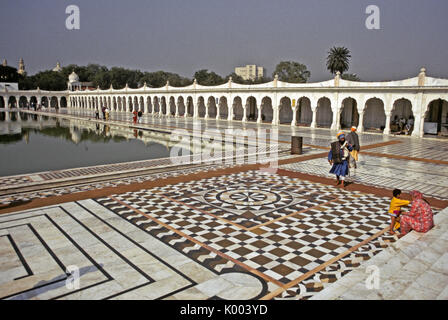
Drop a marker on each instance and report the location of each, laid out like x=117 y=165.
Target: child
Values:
x=395 y=209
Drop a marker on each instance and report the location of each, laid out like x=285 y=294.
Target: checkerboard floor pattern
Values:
x=293 y=241
x=429 y=178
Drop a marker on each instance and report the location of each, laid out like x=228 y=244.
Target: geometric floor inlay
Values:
x=300 y=226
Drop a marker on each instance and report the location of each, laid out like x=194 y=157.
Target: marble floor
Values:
x=213 y=232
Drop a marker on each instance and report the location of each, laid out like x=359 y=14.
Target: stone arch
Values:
x=201 y=107
x=33 y=102
x=400 y=108
x=349 y=116
x=164 y=105
x=223 y=108
x=181 y=106
x=23 y=102
x=238 y=111
x=437 y=113
x=149 y=106
x=12 y=102
x=119 y=104
x=324 y=113
x=2 y=103
x=172 y=106
x=189 y=107
x=135 y=104
x=63 y=102
x=374 y=114
x=267 y=110
x=212 y=107
x=142 y=104
x=285 y=110
x=304 y=113
x=251 y=109
x=44 y=101
x=156 y=105
x=130 y=104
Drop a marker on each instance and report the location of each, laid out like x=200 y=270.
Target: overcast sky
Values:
x=184 y=36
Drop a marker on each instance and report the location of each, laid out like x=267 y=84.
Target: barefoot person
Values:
x=420 y=216
x=395 y=210
x=338 y=158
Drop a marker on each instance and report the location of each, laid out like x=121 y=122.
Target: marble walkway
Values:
x=226 y=232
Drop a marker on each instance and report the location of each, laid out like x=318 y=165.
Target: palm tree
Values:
x=338 y=59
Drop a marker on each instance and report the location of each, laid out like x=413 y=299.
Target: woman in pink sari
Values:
x=420 y=216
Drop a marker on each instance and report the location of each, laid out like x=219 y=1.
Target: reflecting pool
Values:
x=33 y=143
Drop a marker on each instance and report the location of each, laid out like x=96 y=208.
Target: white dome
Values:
x=73 y=77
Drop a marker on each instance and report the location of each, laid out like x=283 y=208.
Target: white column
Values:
x=259 y=119
x=361 y=122
x=195 y=109
x=160 y=107
x=218 y=109
x=245 y=112
x=276 y=115
x=230 y=114
x=334 y=121
x=314 y=120
x=206 y=110
x=419 y=123
x=294 y=116
x=387 y=125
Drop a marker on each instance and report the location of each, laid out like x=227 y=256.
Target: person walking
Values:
x=353 y=140
x=97 y=114
x=338 y=158
x=139 y=115
x=106 y=111
x=103 y=109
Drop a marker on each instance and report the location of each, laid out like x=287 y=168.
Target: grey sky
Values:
x=184 y=36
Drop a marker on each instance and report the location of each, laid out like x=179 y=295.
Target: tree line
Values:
x=103 y=77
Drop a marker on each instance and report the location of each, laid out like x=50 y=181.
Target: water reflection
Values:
x=17 y=126
x=35 y=143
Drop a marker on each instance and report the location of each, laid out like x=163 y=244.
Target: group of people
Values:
x=105 y=112
x=343 y=153
x=419 y=217
x=403 y=125
x=137 y=118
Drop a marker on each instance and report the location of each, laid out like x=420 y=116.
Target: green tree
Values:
x=338 y=59
x=291 y=71
x=207 y=78
x=350 y=77
x=8 y=74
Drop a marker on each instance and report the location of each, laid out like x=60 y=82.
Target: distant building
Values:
x=21 y=70
x=250 y=72
x=75 y=85
x=12 y=86
x=57 y=68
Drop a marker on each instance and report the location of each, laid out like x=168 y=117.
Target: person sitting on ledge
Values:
x=395 y=210
x=420 y=216
x=338 y=158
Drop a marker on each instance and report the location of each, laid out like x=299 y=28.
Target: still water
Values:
x=31 y=143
